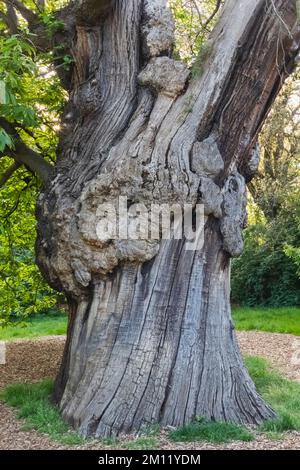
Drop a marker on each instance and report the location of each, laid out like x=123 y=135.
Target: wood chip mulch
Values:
x=28 y=361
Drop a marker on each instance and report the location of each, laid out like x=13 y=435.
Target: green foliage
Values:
x=266 y=274
x=22 y=289
x=17 y=65
x=51 y=22
x=203 y=54
x=279 y=175
x=33 y=403
x=32 y=98
x=5 y=140
x=32 y=95
x=275 y=320
x=281 y=393
x=294 y=254
x=211 y=431
x=54 y=323
x=194 y=21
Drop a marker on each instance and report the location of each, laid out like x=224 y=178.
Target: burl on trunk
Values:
x=150 y=336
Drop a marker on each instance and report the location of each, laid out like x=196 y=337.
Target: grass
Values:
x=35 y=407
x=33 y=404
x=275 y=320
x=211 y=431
x=146 y=440
x=282 y=394
x=39 y=325
x=141 y=443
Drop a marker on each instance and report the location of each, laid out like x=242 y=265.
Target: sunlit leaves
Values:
x=17 y=63
x=194 y=19
x=5 y=140
x=22 y=289
x=32 y=98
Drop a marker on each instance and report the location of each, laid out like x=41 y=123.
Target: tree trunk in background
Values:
x=150 y=337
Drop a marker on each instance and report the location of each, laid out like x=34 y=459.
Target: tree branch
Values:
x=40 y=4
x=217 y=7
x=11 y=19
x=29 y=16
x=33 y=160
x=3 y=17
x=194 y=2
x=40 y=36
x=8 y=173
x=90 y=12
x=23 y=154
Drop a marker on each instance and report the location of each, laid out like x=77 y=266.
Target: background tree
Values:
x=150 y=334
x=31 y=99
x=268 y=271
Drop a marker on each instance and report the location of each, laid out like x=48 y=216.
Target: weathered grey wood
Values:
x=159 y=350
x=151 y=337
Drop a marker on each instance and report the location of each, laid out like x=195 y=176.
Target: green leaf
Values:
x=5 y=140
x=2 y=92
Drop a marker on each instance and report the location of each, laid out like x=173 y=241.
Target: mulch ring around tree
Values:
x=29 y=361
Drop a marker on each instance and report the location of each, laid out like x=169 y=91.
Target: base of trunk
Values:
x=156 y=344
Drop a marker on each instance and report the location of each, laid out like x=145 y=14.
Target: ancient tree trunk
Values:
x=150 y=334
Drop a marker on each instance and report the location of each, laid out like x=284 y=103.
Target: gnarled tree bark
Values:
x=150 y=336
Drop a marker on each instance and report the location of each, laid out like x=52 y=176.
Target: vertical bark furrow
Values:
x=141 y=381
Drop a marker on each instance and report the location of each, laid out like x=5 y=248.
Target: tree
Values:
x=31 y=99
x=279 y=175
x=150 y=336
x=267 y=272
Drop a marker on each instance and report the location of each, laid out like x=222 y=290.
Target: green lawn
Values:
x=275 y=320
x=283 y=395
x=40 y=325
x=211 y=431
x=34 y=406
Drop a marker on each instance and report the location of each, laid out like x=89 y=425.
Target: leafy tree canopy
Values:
x=268 y=272
x=31 y=100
